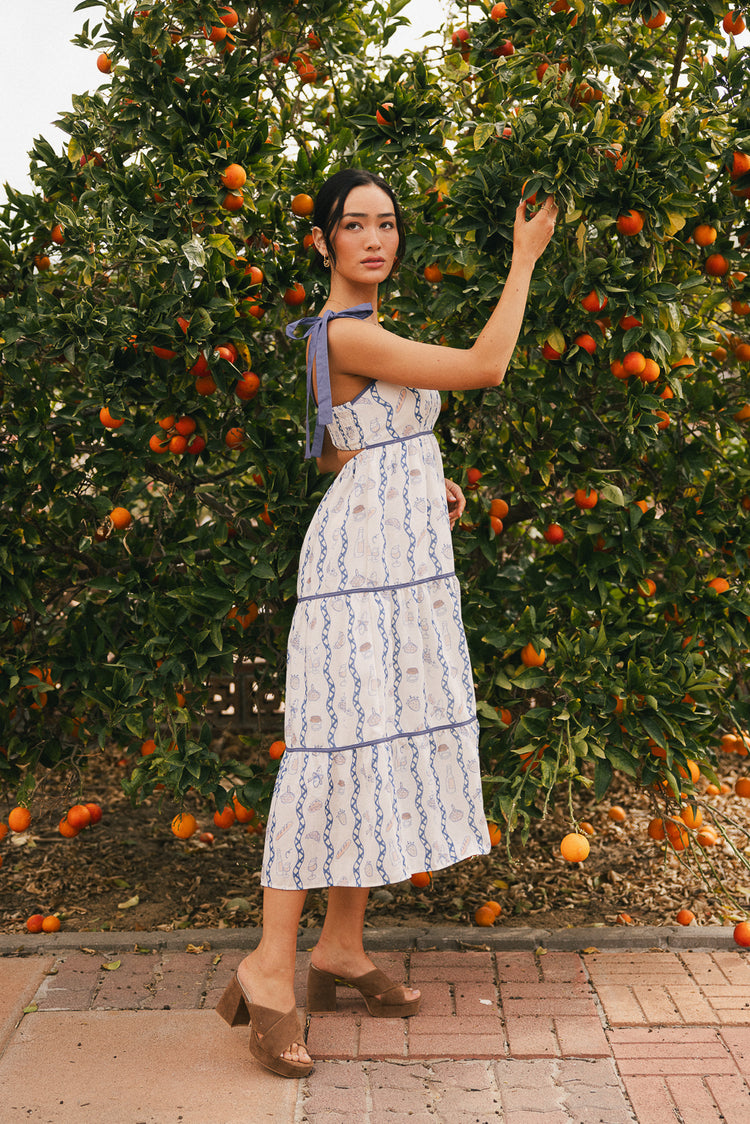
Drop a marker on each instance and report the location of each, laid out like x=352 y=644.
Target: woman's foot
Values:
x=267 y=987
x=349 y=964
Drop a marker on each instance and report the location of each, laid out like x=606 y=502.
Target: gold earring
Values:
x=326 y=262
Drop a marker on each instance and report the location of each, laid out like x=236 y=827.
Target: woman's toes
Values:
x=296 y=1053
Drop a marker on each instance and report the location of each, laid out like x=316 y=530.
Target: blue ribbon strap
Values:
x=317 y=354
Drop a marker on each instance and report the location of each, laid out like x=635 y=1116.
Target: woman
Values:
x=380 y=777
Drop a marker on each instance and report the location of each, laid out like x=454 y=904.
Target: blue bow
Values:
x=317 y=330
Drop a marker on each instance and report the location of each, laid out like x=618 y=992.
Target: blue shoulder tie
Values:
x=317 y=330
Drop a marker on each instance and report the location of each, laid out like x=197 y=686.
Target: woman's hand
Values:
x=531 y=237
x=456 y=502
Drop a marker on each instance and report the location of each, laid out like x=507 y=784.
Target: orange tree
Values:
x=617 y=442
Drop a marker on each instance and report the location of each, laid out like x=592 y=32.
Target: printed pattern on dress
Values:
x=381 y=774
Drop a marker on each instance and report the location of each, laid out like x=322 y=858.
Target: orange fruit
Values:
x=693 y=771
x=499 y=11
x=630 y=223
x=684 y=917
x=66 y=829
x=295 y=295
x=742 y=787
x=592 y=303
x=19 y=819
x=276 y=750
x=655 y=21
x=185 y=426
x=57 y=235
x=691 y=816
x=234 y=177
x=586 y=342
x=496 y=524
x=42 y=262
x=158 y=444
x=716 y=265
x=234 y=437
x=120 y=518
x=104 y=63
x=677 y=834
x=177 y=444
x=656 y=829
x=495 y=833
x=107 y=420
x=51 y=924
x=148 y=747
x=733 y=23
x=708 y=837
x=586 y=827
x=3 y=830
x=226 y=818
x=499 y=508
x=496 y=908
x=94 y=811
x=79 y=816
x=484 y=916
x=742 y=934
x=433 y=274
x=303 y=205
x=618 y=814
x=205 y=384
x=624 y=919
x=585 y=498
x=247 y=386
x=634 y=363
x=35 y=922
x=184 y=825
x=531 y=657
x=421 y=879
x=574 y=847
x=233 y=201
x=704 y=235
x=720 y=585
x=241 y=813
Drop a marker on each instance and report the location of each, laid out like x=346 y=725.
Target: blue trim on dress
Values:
x=376 y=588
x=380 y=741
x=317 y=355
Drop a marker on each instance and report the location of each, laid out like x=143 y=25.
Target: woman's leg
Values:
x=339 y=948
x=267 y=973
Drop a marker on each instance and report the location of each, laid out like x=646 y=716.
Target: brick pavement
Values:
x=510 y=1035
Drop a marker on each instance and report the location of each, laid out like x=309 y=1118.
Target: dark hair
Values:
x=330 y=201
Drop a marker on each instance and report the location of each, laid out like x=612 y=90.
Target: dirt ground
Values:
x=130 y=873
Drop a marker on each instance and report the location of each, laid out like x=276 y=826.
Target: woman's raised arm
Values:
x=364 y=348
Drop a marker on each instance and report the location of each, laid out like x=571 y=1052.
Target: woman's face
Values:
x=366 y=239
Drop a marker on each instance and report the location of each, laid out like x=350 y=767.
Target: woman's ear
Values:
x=319 y=241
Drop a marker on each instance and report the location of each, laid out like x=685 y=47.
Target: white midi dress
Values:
x=380 y=777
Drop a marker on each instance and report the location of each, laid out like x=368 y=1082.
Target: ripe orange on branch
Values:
x=585 y=498
x=532 y=656
x=234 y=176
x=19 y=819
x=574 y=847
x=184 y=825
x=302 y=205
x=630 y=223
x=120 y=518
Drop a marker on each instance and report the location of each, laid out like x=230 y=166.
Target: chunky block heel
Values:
x=376 y=988
x=321 y=991
x=233 y=1006
x=271 y=1032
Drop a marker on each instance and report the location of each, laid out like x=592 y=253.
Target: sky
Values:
x=32 y=97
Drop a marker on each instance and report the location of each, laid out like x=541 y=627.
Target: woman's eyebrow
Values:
x=363 y=215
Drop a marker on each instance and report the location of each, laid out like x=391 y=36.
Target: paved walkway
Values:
x=522 y=1028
